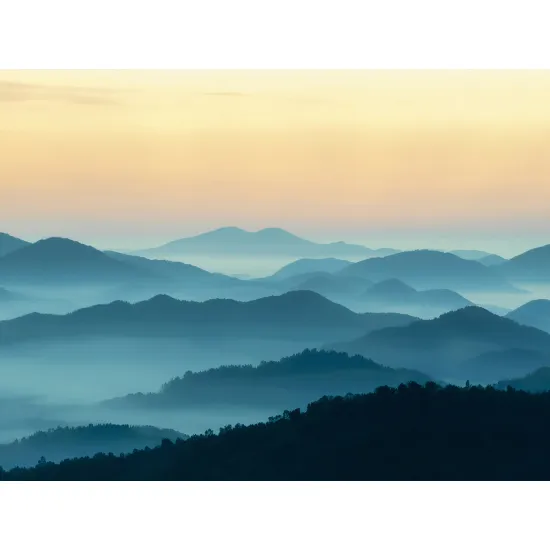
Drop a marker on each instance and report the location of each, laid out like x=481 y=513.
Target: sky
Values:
x=411 y=159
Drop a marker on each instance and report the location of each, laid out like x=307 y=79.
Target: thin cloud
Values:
x=11 y=91
x=225 y=94
x=303 y=100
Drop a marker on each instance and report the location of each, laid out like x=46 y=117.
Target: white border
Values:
x=274 y=515
x=269 y=34
x=273 y=34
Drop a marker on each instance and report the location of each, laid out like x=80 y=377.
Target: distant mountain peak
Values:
x=391 y=285
x=469 y=313
x=9 y=243
x=161 y=299
x=274 y=231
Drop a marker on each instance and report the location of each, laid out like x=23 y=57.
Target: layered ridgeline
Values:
x=429 y=269
x=535 y=314
x=531 y=266
x=291 y=382
x=9 y=244
x=9 y=296
x=233 y=241
x=444 y=347
x=69 y=442
x=292 y=316
x=63 y=261
x=476 y=255
x=492 y=260
x=537 y=381
x=309 y=266
x=393 y=295
x=331 y=285
x=410 y=433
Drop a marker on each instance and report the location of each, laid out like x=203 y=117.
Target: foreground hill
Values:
x=429 y=269
x=531 y=266
x=66 y=442
x=537 y=381
x=535 y=314
x=294 y=315
x=10 y=244
x=410 y=433
x=233 y=241
x=438 y=346
x=291 y=382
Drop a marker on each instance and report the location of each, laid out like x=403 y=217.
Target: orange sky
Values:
x=371 y=156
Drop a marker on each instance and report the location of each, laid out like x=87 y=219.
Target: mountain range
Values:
x=70 y=442
x=491 y=260
x=9 y=296
x=10 y=244
x=295 y=316
x=59 y=262
x=233 y=241
x=409 y=433
x=310 y=265
x=429 y=269
x=439 y=346
x=476 y=255
x=395 y=295
x=531 y=266
x=291 y=382
x=536 y=381
x=535 y=313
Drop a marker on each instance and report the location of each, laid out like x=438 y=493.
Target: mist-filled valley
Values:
x=100 y=351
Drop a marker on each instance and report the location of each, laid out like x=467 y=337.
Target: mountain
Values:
x=60 y=261
x=429 y=269
x=494 y=365
x=531 y=266
x=332 y=285
x=291 y=382
x=535 y=314
x=470 y=254
x=412 y=433
x=497 y=310
x=310 y=265
x=233 y=241
x=9 y=244
x=492 y=259
x=9 y=296
x=70 y=442
x=295 y=316
x=537 y=381
x=178 y=280
x=395 y=295
x=438 y=346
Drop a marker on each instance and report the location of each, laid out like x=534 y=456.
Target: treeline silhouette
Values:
x=59 y=443
x=412 y=432
x=293 y=381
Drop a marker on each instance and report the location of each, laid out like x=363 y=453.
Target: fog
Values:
x=46 y=384
x=88 y=370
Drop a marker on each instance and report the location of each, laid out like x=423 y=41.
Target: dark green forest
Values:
x=291 y=382
x=73 y=441
x=411 y=432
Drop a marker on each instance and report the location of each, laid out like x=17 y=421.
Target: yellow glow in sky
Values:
x=114 y=154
